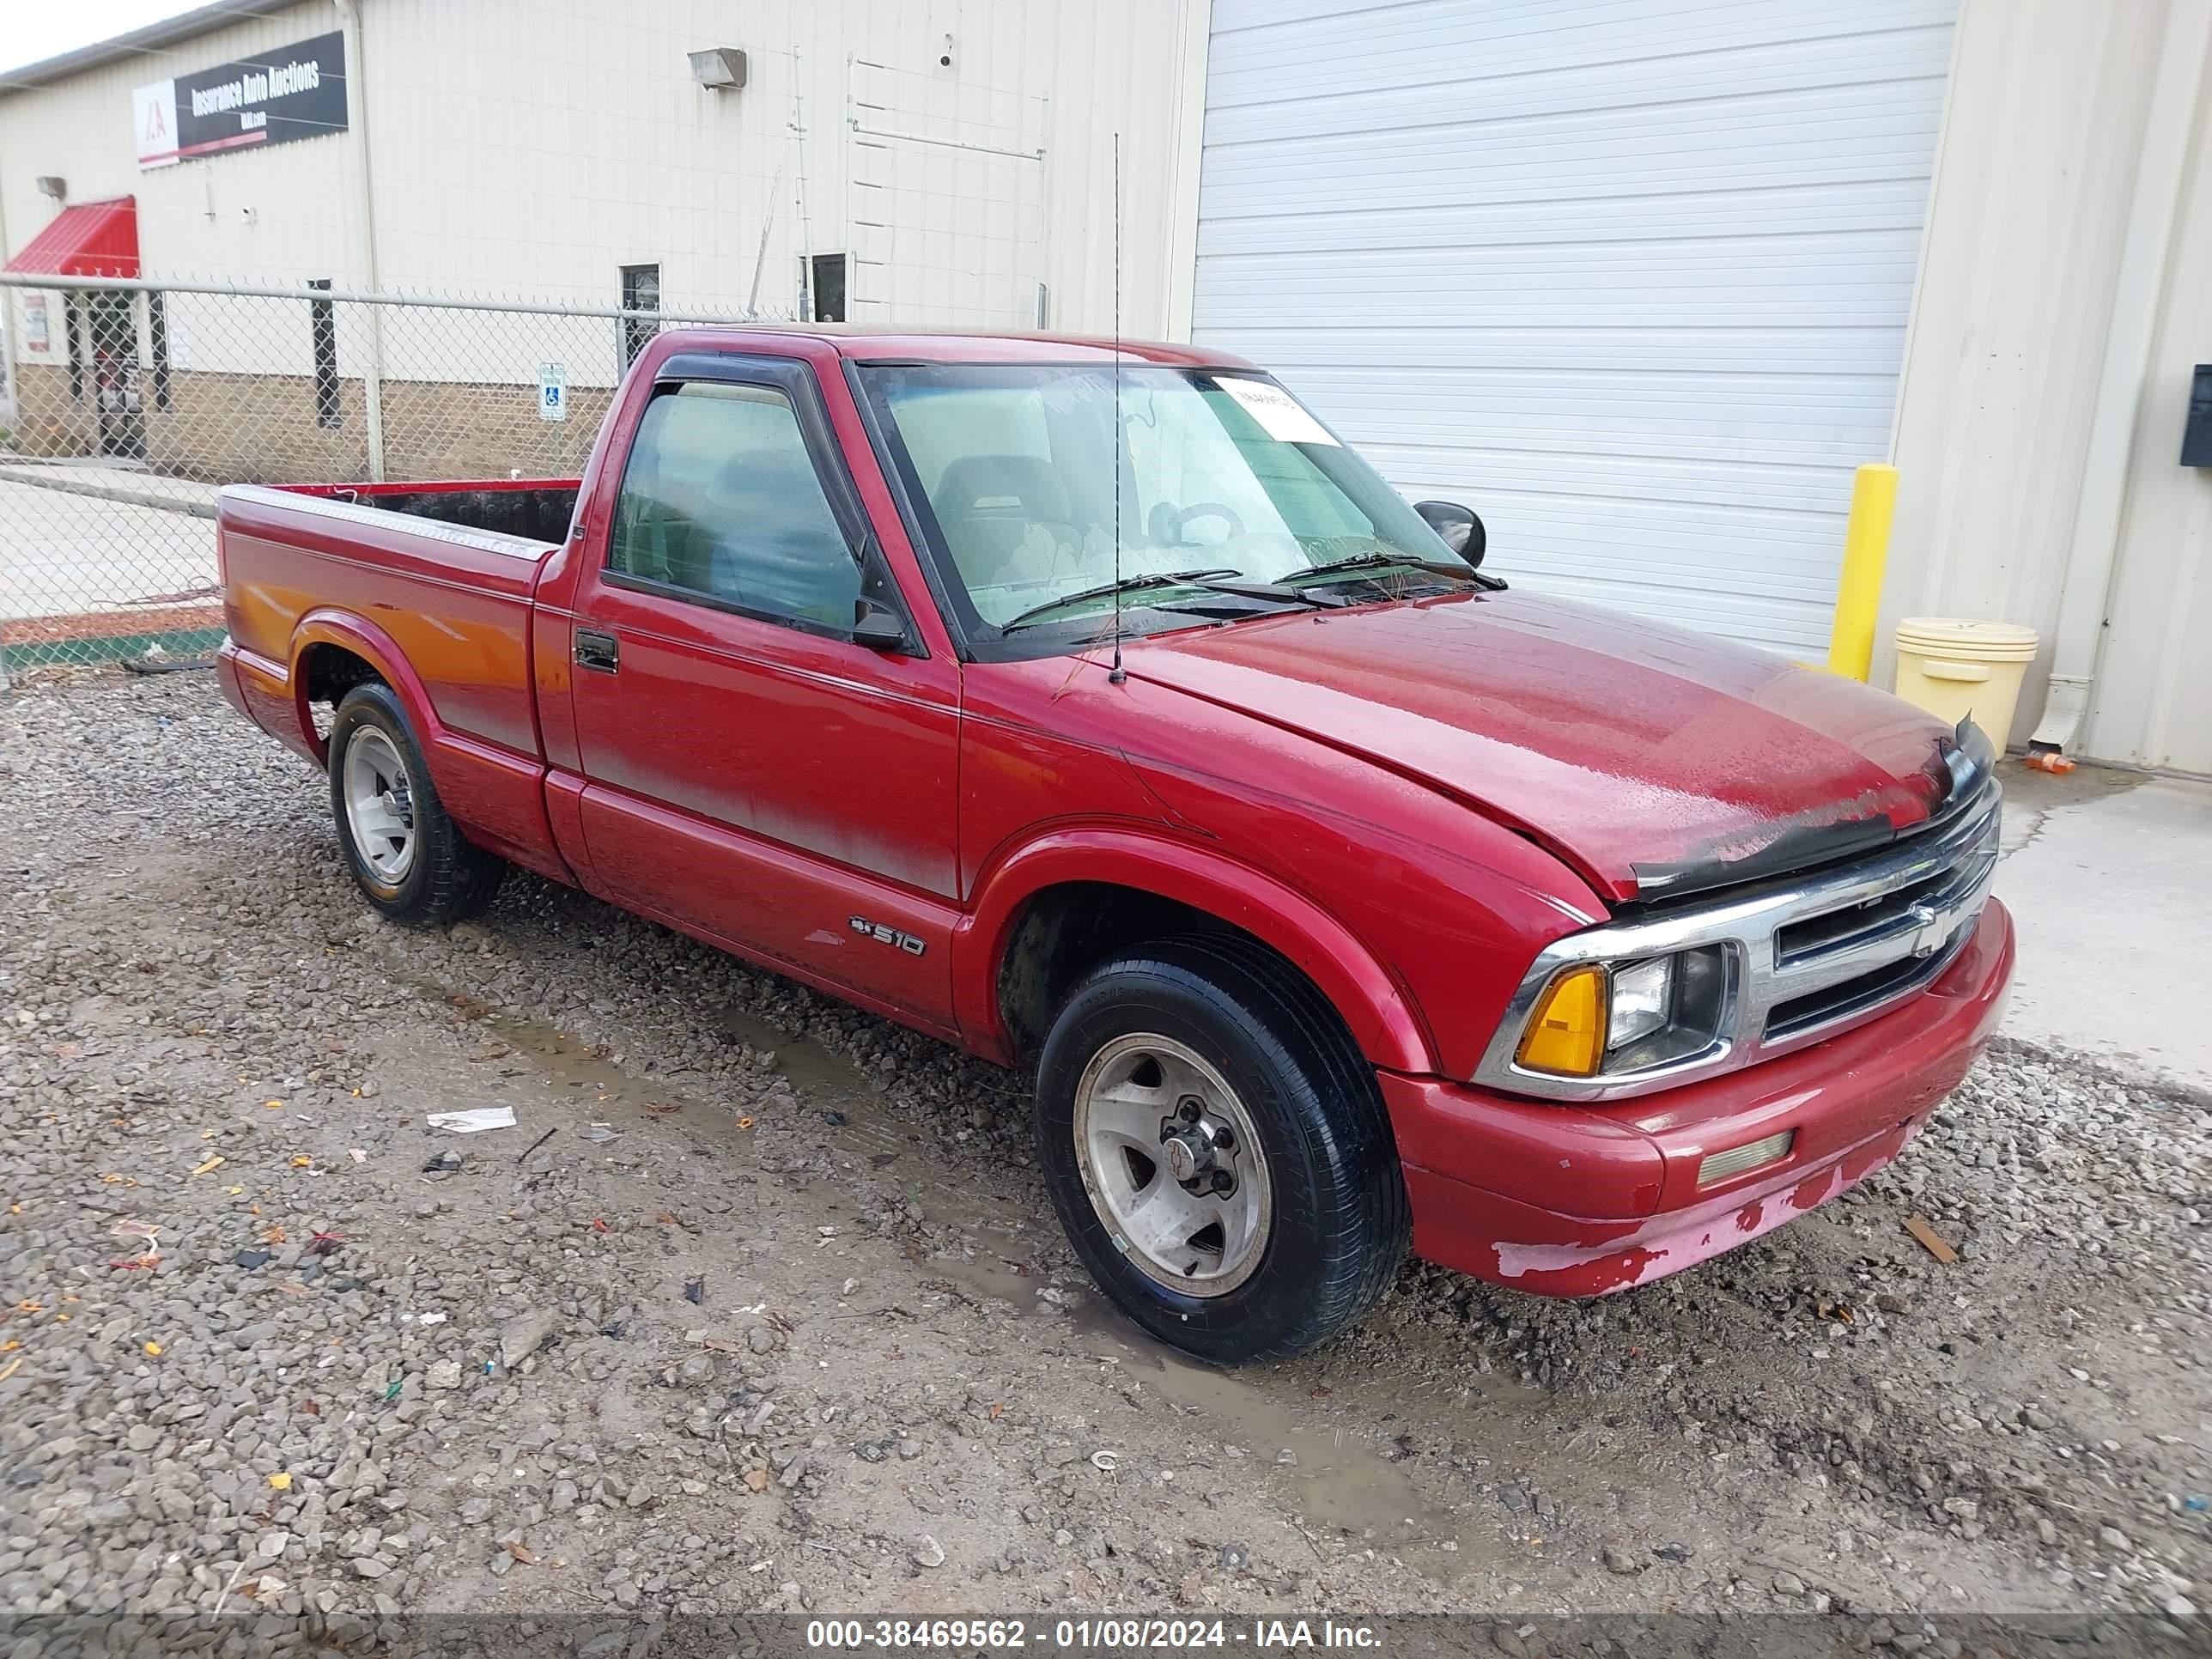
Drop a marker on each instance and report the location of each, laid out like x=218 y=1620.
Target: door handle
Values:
x=598 y=651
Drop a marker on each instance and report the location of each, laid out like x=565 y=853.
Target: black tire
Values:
x=1340 y=1222
x=448 y=876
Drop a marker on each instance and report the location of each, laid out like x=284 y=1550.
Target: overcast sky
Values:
x=30 y=33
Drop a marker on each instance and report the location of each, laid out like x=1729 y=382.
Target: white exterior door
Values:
x=1629 y=277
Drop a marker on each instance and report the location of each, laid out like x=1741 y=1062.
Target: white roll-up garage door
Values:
x=1630 y=277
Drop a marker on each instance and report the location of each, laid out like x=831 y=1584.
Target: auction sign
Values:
x=293 y=91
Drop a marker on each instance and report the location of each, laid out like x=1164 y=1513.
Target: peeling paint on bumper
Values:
x=1567 y=1201
x=1681 y=1238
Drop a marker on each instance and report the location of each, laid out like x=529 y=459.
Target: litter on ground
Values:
x=1930 y=1240
x=474 y=1120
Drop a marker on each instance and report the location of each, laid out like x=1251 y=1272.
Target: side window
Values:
x=720 y=498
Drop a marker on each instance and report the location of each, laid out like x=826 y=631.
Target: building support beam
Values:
x=1187 y=146
x=2138 y=299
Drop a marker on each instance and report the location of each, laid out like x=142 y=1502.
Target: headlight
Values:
x=1642 y=995
x=1607 y=1017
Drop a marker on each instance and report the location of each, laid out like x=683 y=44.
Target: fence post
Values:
x=10 y=409
x=10 y=396
x=372 y=379
x=371 y=393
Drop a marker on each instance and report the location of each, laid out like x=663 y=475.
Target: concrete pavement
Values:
x=130 y=484
x=2109 y=874
x=65 y=554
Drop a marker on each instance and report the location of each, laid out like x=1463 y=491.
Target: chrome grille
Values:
x=1810 y=956
x=1840 y=956
x=1859 y=958
x=1798 y=943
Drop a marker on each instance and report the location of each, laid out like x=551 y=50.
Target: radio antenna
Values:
x=1115 y=676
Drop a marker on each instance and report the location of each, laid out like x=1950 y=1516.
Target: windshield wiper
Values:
x=1378 y=559
x=1107 y=590
x=1252 y=587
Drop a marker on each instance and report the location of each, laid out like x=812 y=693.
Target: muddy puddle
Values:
x=834 y=1092
x=1275 y=1424
x=855 y=1121
x=1278 y=1422
x=1335 y=1479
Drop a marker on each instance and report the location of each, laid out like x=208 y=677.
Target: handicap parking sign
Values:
x=552 y=391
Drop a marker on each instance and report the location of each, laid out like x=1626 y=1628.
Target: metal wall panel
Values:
x=522 y=147
x=1630 y=278
x=2151 y=703
x=2020 y=295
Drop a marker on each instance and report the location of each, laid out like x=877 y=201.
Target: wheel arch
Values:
x=1146 y=872
x=322 y=643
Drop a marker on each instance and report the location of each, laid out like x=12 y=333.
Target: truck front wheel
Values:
x=1217 y=1150
x=410 y=860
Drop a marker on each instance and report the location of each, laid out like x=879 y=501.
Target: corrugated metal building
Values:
x=1642 y=281
x=1645 y=281
x=1638 y=275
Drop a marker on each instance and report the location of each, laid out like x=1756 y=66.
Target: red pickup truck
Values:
x=1096 y=708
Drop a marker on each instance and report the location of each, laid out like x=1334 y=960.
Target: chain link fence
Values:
x=132 y=403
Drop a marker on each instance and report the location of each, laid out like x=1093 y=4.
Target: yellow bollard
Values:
x=1866 y=552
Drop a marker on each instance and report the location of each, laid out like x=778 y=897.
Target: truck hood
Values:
x=1653 y=760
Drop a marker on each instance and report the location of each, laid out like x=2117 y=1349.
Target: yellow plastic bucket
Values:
x=1953 y=666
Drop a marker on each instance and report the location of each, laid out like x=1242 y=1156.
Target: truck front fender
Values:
x=1376 y=1011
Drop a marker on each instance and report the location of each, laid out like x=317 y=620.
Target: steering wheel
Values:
x=1206 y=510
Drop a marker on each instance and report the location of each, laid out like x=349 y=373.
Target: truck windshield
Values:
x=1223 y=476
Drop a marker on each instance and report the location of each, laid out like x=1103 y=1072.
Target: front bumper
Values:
x=1568 y=1201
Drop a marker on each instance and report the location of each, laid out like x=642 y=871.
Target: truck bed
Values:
x=536 y=509
x=409 y=580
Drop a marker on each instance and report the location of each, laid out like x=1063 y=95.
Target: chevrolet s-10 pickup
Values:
x=1096 y=708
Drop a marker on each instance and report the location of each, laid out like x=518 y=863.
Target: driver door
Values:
x=754 y=772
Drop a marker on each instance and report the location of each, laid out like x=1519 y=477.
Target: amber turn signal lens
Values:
x=1567 y=1033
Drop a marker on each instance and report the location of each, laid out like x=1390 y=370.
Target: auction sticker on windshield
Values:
x=1280 y=415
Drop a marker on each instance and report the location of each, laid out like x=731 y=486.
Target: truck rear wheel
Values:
x=411 y=861
x=1219 y=1151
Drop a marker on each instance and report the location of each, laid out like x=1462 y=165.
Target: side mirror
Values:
x=1456 y=526
x=877 y=627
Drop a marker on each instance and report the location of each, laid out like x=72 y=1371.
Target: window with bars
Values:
x=323 y=325
x=641 y=291
x=825 y=288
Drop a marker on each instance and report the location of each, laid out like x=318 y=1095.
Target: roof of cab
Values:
x=893 y=345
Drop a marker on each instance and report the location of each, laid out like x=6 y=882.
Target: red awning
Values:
x=93 y=239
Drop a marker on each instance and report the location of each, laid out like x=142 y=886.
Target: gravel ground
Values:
x=759 y=1304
